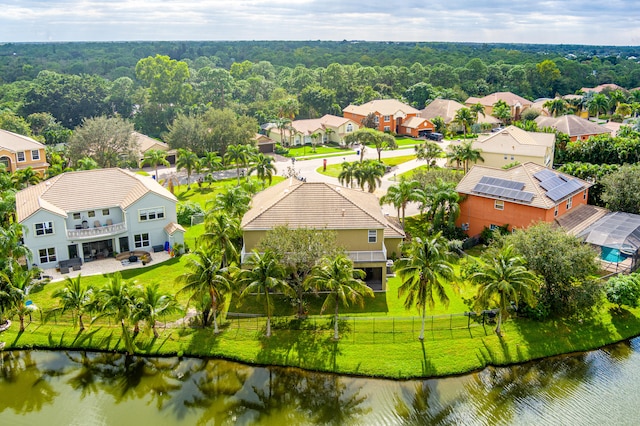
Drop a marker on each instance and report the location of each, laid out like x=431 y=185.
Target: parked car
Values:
x=434 y=136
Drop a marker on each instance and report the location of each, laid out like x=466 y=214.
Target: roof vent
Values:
x=343 y=210
x=286 y=191
x=337 y=189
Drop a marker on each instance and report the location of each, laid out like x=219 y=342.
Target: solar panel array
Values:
x=503 y=188
x=557 y=186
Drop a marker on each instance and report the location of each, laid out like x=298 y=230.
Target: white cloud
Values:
x=568 y=21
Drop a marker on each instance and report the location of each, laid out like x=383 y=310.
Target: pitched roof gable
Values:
x=524 y=174
x=514 y=139
x=572 y=125
x=381 y=106
x=510 y=98
x=14 y=142
x=87 y=189
x=315 y=205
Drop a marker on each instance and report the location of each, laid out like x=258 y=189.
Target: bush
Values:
x=623 y=290
x=186 y=210
x=280 y=150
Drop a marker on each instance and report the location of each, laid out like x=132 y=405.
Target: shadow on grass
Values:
x=625 y=322
x=427 y=367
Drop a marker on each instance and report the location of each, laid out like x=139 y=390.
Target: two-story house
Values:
x=361 y=227
x=20 y=152
x=93 y=214
x=516 y=103
x=391 y=116
x=518 y=197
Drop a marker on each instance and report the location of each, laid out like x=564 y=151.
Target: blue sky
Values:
x=613 y=22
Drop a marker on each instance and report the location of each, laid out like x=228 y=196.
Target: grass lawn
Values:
x=303 y=151
x=383 y=331
x=334 y=170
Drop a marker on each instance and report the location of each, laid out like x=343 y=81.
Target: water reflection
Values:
x=42 y=387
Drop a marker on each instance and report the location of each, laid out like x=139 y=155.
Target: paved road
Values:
x=308 y=170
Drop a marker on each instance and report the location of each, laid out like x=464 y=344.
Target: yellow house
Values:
x=328 y=128
x=512 y=144
x=515 y=102
x=20 y=152
x=362 y=229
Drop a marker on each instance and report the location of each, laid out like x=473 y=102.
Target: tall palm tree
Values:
x=150 y=303
x=428 y=151
x=465 y=118
x=211 y=161
x=556 y=107
x=221 y=232
x=75 y=297
x=344 y=283
x=189 y=161
x=264 y=168
x=240 y=155
x=504 y=279
x=206 y=276
x=598 y=103
x=440 y=125
x=476 y=110
x=116 y=300
x=423 y=272
x=264 y=276
x=369 y=173
x=155 y=158
x=401 y=194
x=443 y=203
x=283 y=124
x=469 y=154
x=15 y=285
x=348 y=174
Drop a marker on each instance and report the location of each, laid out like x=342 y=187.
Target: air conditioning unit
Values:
x=465 y=226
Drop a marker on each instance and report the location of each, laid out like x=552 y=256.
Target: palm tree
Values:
x=211 y=161
x=75 y=297
x=344 y=284
x=16 y=285
x=150 y=303
x=369 y=173
x=428 y=151
x=206 y=276
x=264 y=168
x=401 y=194
x=440 y=125
x=503 y=279
x=189 y=161
x=221 y=232
x=556 y=107
x=465 y=118
x=240 y=155
x=154 y=158
x=24 y=177
x=476 y=110
x=443 y=202
x=11 y=247
x=116 y=300
x=234 y=201
x=598 y=103
x=264 y=276
x=314 y=140
x=348 y=174
x=283 y=124
x=468 y=153
x=87 y=163
x=422 y=274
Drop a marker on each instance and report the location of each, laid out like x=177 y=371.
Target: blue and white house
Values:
x=93 y=214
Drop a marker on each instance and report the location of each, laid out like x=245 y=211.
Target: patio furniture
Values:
x=109 y=222
x=97 y=224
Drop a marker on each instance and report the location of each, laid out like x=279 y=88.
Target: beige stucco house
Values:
x=328 y=128
x=20 y=152
x=515 y=102
x=145 y=143
x=577 y=128
x=362 y=229
x=447 y=109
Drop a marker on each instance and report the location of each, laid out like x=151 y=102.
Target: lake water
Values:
x=78 y=388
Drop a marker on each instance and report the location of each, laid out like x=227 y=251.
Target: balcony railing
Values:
x=100 y=231
x=367 y=256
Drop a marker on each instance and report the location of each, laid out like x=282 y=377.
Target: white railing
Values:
x=367 y=256
x=101 y=231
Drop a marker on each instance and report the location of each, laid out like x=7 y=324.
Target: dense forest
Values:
x=153 y=83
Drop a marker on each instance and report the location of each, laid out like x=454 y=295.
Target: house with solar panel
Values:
x=517 y=197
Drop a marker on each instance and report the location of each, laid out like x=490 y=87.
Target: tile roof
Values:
x=572 y=125
x=316 y=205
x=173 y=227
x=447 y=109
x=76 y=191
x=146 y=143
x=523 y=173
x=601 y=87
x=414 y=122
x=514 y=139
x=510 y=98
x=382 y=106
x=14 y=142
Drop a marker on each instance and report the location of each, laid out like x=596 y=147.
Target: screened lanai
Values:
x=617 y=235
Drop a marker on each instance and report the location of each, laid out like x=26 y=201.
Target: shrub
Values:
x=186 y=210
x=623 y=290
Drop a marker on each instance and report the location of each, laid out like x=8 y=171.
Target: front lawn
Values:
x=334 y=170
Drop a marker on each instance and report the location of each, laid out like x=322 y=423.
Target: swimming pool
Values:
x=613 y=255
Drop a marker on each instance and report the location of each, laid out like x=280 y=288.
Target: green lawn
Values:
x=307 y=150
x=383 y=331
x=334 y=169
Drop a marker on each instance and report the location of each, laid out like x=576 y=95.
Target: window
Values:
x=377 y=120
x=493 y=227
x=151 y=214
x=512 y=158
x=505 y=156
x=555 y=211
x=76 y=216
x=47 y=255
x=349 y=128
x=105 y=212
x=373 y=236
x=20 y=156
x=141 y=240
x=569 y=203
x=387 y=118
x=44 y=228
x=35 y=154
x=91 y=213
x=584 y=195
x=498 y=205
x=387 y=128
